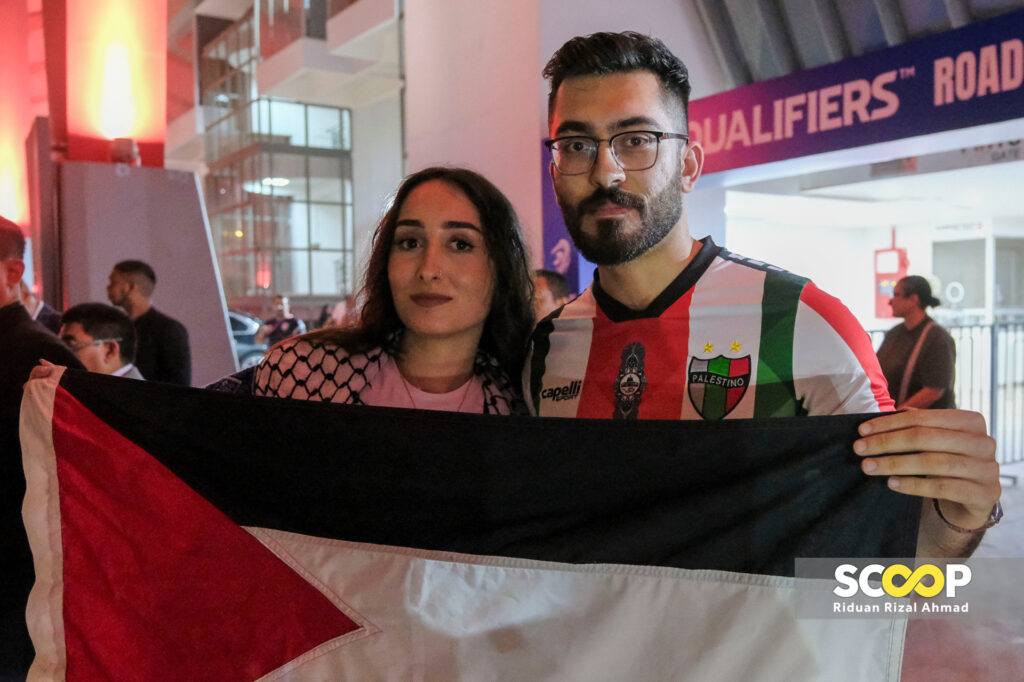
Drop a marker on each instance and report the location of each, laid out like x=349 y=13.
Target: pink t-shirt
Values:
x=389 y=389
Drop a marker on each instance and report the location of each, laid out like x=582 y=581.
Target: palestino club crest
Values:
x=631 y=382
x=716 y=385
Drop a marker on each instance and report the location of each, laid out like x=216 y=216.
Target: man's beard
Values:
x=611 y=245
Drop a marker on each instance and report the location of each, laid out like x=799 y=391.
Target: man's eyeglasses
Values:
x=79 y=345
x=900 y=294
x=634 y=150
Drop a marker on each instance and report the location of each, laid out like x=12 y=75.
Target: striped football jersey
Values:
x=730 y=337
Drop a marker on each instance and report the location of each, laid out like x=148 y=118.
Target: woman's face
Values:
x=439 y=270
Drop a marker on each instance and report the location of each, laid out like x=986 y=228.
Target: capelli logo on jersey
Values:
x=570 y=391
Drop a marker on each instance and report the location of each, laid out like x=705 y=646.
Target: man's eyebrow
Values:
x=448 y=224
x=634 y=121
x=573 y=127
x=582 y=128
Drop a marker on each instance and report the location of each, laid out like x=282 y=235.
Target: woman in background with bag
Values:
x=918 y=356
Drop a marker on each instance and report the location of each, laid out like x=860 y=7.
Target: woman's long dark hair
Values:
x=510 y=320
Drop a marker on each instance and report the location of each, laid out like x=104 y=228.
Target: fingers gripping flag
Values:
x=183 y=534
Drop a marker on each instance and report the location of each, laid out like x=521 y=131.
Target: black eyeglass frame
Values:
x=658 y=135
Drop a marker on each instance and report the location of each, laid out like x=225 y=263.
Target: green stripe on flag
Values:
x=775 y=394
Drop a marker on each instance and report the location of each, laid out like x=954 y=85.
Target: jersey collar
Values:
x=619 y=312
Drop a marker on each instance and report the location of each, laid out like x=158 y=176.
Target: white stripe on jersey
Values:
x=827 y=376
x=570 y=353
x=726 y=309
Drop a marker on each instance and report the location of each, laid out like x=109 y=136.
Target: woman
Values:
x=918 y=356
x=447 y=309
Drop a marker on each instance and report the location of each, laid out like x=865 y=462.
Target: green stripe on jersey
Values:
x=775 y=393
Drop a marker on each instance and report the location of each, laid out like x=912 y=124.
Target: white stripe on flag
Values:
x=446 y=616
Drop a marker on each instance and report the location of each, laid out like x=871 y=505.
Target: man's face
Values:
x=11 y=270
x=613 y=215
x=96 y=355
x=901 y=302
x=544 y=300
x=118 y=289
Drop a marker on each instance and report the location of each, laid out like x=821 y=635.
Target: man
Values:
x=23 y=342
x=39 y=310
x=550 y=292
x=103 y=338
x=283 y=325
x=163 y=352
x=678 y=328
x=918 y=356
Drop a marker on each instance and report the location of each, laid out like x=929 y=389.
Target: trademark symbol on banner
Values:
x=907 y=72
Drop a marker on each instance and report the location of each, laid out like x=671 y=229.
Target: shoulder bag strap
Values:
x=911 y=363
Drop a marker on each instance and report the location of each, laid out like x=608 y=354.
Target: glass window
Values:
x=349 y=228
x=236 y=271
x=286 y=176
x=328 y=272
x=325 y=226
x=288 y=123
x=294 y=226
x=346 y=130
x=293 y=272
x=324 y=127
x=325 y=179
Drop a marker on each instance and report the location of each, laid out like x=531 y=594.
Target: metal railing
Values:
x=990 y=380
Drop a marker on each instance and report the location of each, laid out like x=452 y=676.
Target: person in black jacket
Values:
x=163 y=351
x=23 y=343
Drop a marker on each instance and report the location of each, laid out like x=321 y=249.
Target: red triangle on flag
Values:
x=158 y=583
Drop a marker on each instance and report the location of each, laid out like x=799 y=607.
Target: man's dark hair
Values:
x=12 y=240
x=140 y=273
x=557 y=283
x=101 y=321
x=916 y=284
x=601 y=54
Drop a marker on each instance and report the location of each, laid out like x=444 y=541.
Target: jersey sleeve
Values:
x=835 y=370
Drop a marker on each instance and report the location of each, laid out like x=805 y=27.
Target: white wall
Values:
x=472 y=71
x=377 y=169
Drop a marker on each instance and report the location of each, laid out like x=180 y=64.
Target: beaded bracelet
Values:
x=993 y=518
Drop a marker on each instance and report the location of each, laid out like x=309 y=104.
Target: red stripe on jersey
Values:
x=845 y=324
x=666 y=342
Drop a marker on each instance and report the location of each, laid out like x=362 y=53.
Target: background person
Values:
x=103 y=338
x=162 y=353
x=282 y=325
x=550 y=292
x=918 y=357
x=446 y=315
x=40 y=310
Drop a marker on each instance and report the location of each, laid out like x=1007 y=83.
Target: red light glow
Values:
x=117 y=108
x=15 y=110
x=116 y=69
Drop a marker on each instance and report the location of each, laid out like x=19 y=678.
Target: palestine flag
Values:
x=182 y=534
